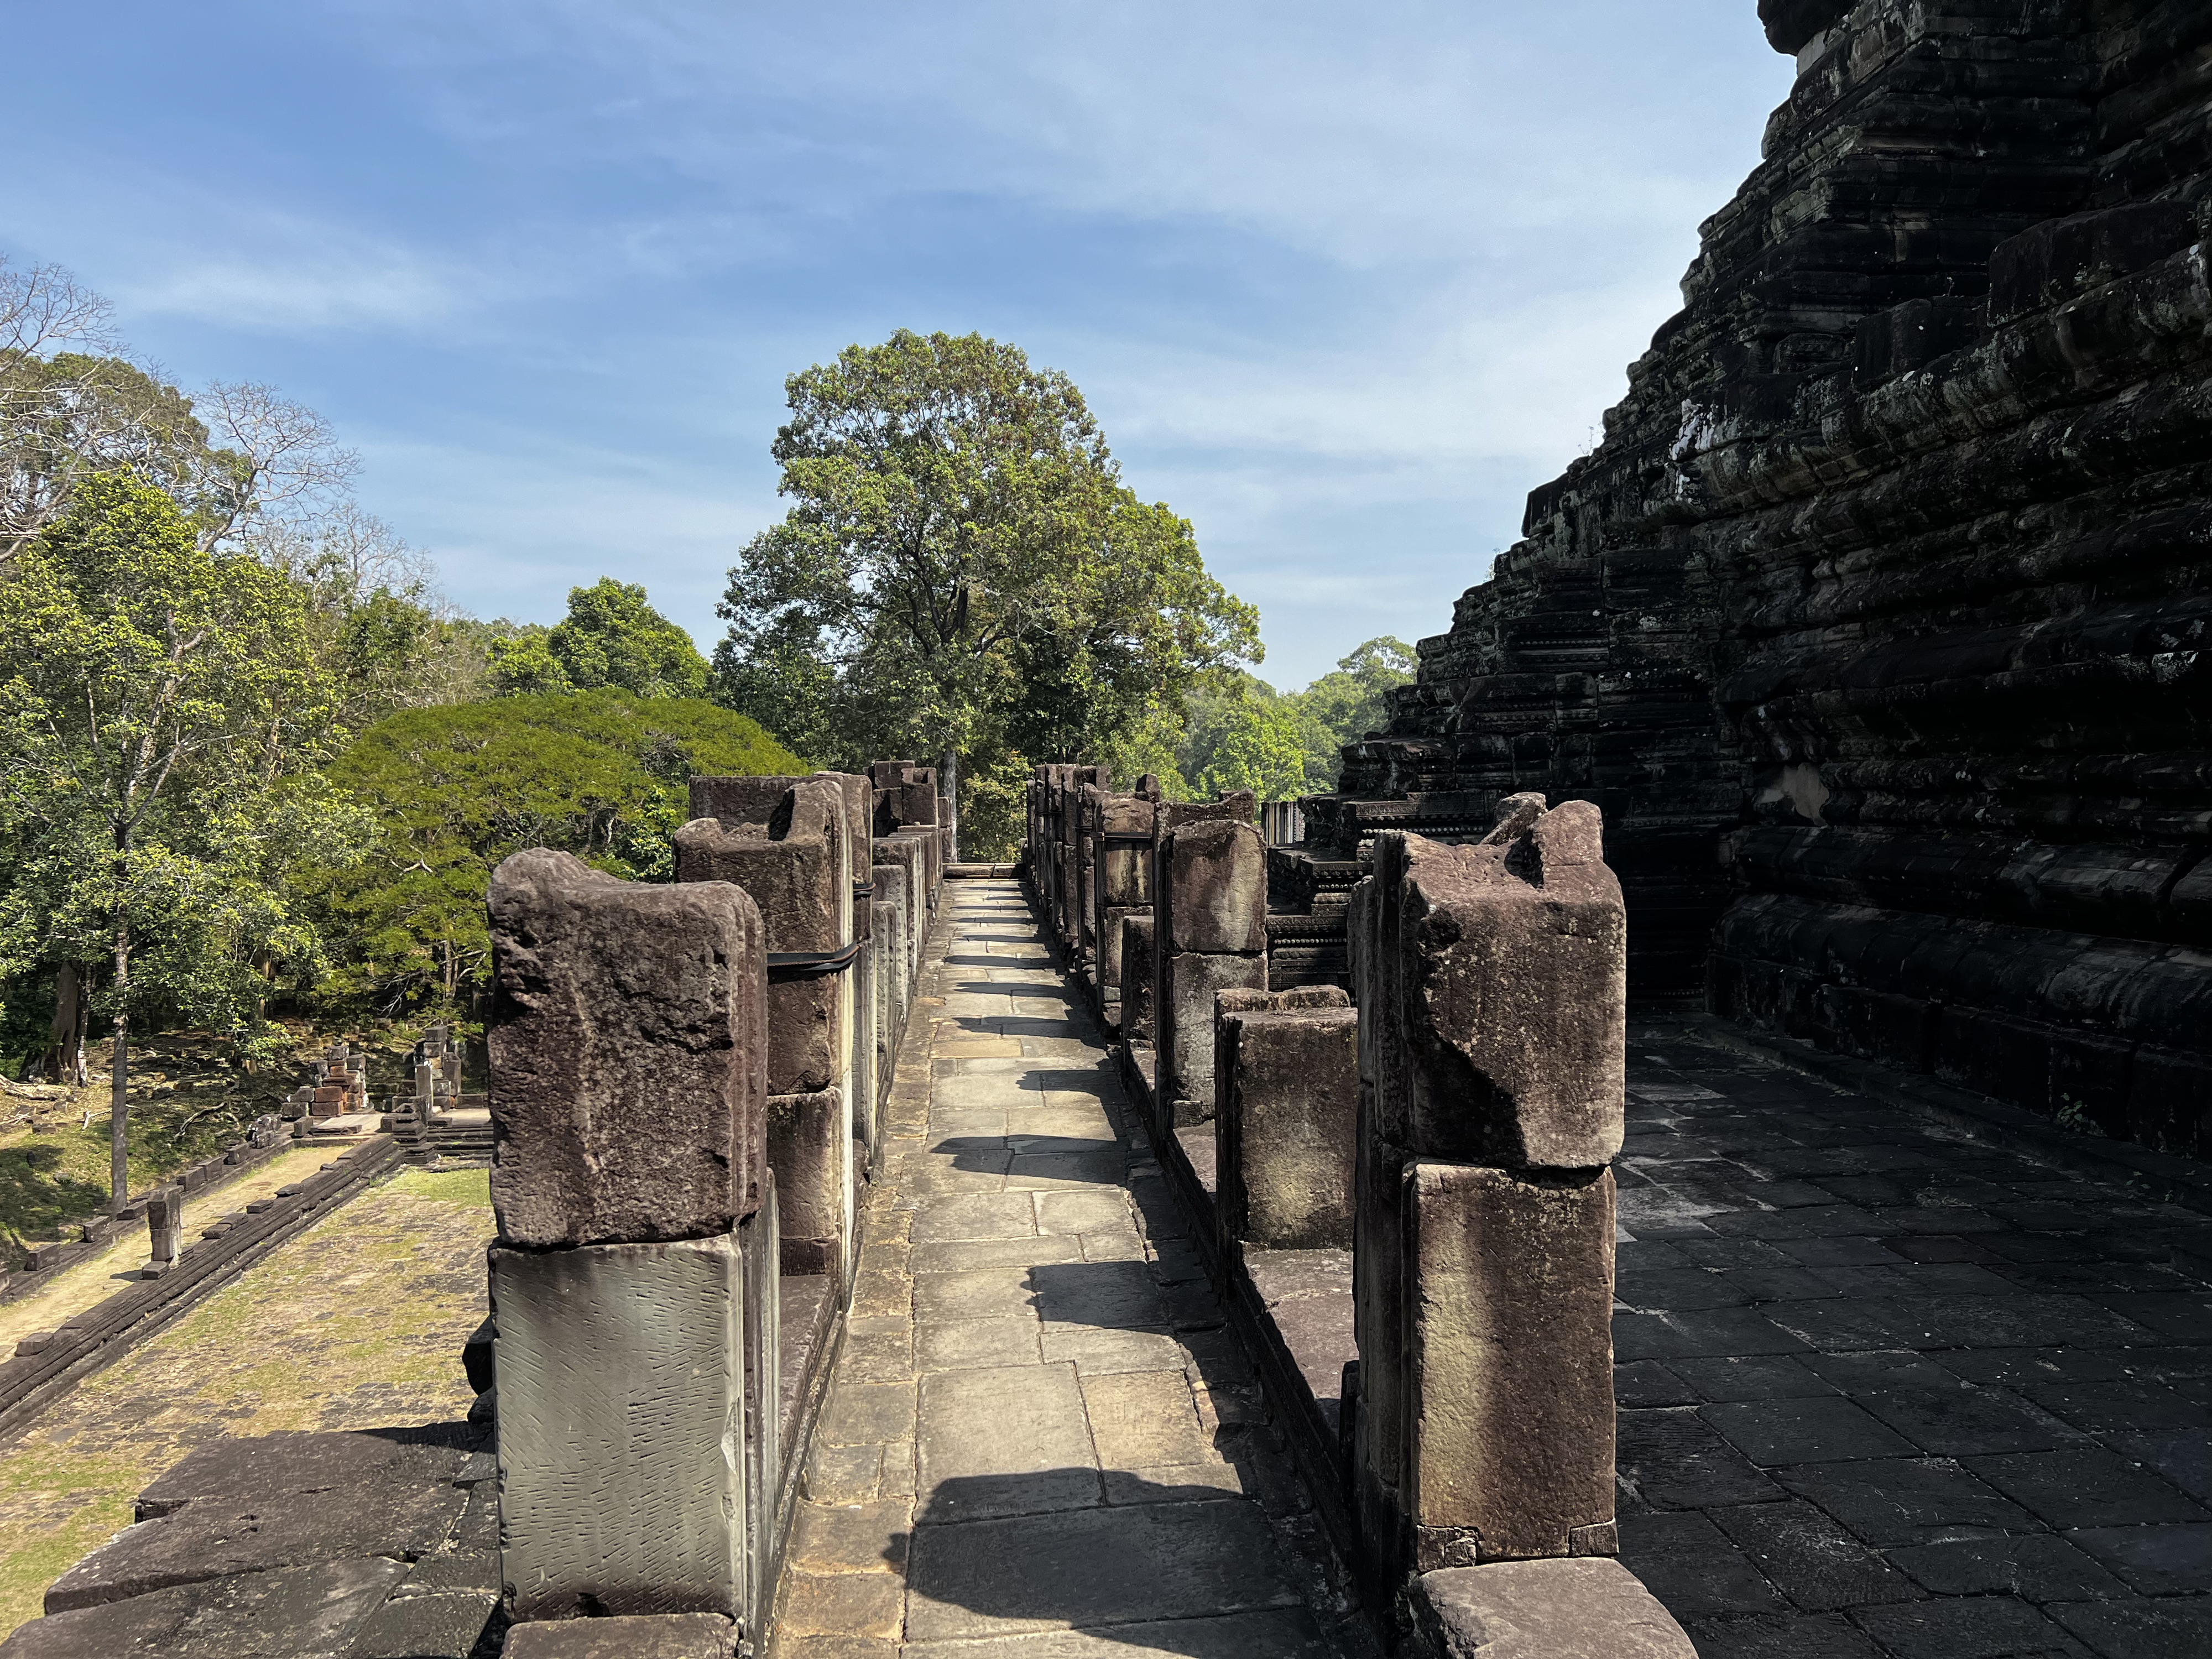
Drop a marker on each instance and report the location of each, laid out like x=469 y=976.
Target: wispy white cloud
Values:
x=1341 y=287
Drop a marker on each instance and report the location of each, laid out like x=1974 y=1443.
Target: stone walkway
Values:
x=1042 y=1442
x=1889 y=1391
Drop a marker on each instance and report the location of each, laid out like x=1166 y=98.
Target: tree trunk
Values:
x=119 y=1122
x=948 y=803
x=64 y=1060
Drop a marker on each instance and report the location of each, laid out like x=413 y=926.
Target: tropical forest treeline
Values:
x=252 y=764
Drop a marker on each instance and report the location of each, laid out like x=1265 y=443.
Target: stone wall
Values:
x=1877 y=624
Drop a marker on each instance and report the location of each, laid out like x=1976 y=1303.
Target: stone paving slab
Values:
x=1887 y=1390
x=1037 y=1447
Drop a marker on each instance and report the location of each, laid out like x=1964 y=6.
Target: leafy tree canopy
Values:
x=611 y=637
x=1238 y=732
x=963 y=573
x=159 y=704
x=451 y=791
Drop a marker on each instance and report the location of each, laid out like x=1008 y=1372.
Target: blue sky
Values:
x=1341 y=284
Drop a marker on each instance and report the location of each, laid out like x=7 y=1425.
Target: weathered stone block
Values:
x=1503 y=968
x=1188 y=982
x=796 y=870
x=628 y=1046
x=1508 y=1299
x=1125 y=876
x=1583 y=1609
x=811 y=1153
x=401 y=1514
x=1214 y=888
x=905 y=856
x=247 y=1470
x=278 y=1614
x=622 y=1401
x=1110 y=970
x=1286 y=1088
x=1238 y=807
x=1136 y=977
x=441 y=1625
x=1127 y=815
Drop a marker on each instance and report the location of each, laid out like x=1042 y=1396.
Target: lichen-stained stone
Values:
x=1138 y=983
x=402 y=1514
x=1125 y=876
x=1286 y=1088
x=1214 y=888
x=1188 y=982
x=1509 y=1410
x=1579 y=1609
x=811 y=1150
x=1504 y=964
x=277 y=1614
x=628 y=1046
x=1110 y=943
x=622 y=1371
x=1128 y=815
x=796 y=870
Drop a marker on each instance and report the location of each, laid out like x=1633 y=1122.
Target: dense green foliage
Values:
x=452 y=791
x=963 y=576
x=611 y=637
x=1238 y=732
x=159 y=706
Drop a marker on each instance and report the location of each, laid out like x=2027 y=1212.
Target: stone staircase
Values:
x=458 y=1138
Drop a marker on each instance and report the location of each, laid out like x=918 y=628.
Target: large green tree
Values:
x=1353 y=700
x=451 y=791
x=611 y=637
x=963 y=574
x=159 y=702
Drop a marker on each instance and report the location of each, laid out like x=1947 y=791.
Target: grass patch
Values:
x=469 y=1186
x=189 y=1097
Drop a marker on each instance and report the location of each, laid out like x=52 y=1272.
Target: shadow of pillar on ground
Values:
x=1118 y=1563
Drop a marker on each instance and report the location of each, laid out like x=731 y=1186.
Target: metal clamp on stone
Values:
x=784 y=966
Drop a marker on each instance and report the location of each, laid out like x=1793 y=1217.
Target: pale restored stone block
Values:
x=622 y=1420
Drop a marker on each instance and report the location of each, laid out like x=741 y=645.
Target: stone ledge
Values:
x=1585 y=1607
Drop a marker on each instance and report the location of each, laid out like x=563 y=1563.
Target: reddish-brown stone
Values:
x=628 y=1083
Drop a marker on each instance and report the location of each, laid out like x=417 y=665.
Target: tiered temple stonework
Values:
x=1878 y=623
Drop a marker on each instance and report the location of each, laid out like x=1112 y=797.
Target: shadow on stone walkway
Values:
x=1043 y=1443
x=1889 y=1391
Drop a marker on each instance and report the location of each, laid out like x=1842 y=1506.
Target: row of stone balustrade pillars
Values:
x=1403 y=1178
x=688 y=1084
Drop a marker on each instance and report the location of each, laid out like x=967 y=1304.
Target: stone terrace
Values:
x=1884 y=1389
x=1039 y=1422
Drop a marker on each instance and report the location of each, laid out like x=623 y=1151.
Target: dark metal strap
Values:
x=864 y=890
x=784 y=966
